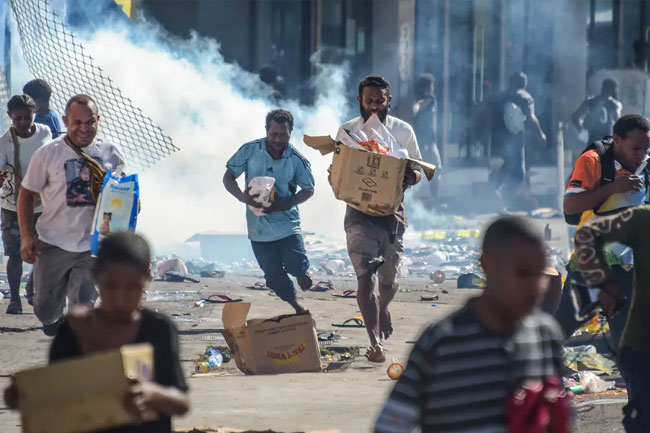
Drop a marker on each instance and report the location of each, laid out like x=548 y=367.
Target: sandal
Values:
x=355 y=322
x=220 y=299
x=346 y=294
x=258 y=286
x=322 y=286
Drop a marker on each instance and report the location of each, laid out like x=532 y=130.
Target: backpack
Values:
x=514 y=118
x=605 y=150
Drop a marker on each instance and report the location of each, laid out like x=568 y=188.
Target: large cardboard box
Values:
x=84 y=394
x=367 y=181
x=282 y=344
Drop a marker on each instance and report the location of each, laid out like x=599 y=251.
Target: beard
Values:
x=382 y=114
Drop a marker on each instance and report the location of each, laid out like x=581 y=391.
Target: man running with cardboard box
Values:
x=375 y=242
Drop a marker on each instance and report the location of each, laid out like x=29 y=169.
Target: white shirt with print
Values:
x=28 y=146
x=62 y=178
x=400 y=130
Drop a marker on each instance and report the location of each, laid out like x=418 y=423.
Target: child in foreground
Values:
x=493 y=366
x=122 y=272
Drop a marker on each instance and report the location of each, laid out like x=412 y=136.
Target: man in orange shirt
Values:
x=609 y=176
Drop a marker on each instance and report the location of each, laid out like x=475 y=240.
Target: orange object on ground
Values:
x=395 y=370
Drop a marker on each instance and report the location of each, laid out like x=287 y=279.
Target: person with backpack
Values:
x=609 y=176
x=598 y=114
x=513 y=123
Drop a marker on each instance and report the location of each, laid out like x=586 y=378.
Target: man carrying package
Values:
x=272 y=216
x=60 y=250
x=375 y=243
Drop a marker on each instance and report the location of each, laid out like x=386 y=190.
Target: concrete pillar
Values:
x=393 y=41
x=569 y=60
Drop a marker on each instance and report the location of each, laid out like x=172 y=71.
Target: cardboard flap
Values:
x=324 y=144
x=234 y=314
x=428 y=169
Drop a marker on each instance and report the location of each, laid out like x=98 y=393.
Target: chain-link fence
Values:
x=4 y=100
x=54 y=54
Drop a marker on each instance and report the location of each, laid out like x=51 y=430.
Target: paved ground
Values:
x=347 y=400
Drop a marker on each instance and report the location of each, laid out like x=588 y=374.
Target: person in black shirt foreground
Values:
x=122 y=271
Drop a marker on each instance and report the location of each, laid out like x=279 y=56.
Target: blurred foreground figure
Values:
x=628 y=228
x=493 y=365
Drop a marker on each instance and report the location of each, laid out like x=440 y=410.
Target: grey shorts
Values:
x=368 y=242
x=61 y=275
x=11 y=232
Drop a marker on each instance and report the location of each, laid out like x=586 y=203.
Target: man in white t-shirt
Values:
x=60 y=174
x=375 y=243
x=25 y=136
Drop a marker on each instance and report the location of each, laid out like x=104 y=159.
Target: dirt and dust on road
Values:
x=346 y=396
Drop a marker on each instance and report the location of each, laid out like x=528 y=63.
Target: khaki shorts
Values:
x=368 y=242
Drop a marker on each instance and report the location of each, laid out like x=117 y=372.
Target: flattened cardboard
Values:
x=367 y=181
x=282 y=344
x=83 y=394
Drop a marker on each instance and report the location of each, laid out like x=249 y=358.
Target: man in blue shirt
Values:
x=41 y=92
x=276 y=235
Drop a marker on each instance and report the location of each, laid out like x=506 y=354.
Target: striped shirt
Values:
x=460 y=374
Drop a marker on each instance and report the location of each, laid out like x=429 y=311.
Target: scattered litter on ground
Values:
x=591 y=383
x=429 y=298
x=470 y=281
x=328 y=337
x=177 y=277
x=395 y=370
x=582 y=358
x=438 y=277
x=212 y=359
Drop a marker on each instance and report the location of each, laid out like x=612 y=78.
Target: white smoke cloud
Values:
x=201 y=102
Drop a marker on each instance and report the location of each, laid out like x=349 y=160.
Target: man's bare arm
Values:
x=578 y=116
x=26 y=222
x=587 y=200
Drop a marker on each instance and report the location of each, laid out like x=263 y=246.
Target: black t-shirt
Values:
x=157 y=330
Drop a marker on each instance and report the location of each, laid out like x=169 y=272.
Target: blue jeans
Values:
x=635 y=367
x=280 y=258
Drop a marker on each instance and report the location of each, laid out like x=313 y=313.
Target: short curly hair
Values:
x=38 y=88
x=21 y=102
x=279 y=116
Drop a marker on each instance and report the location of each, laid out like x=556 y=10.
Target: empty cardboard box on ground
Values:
x=83 y=394
x=283 y=344
x=367 y=181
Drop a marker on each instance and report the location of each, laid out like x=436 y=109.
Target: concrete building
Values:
x=471 y=46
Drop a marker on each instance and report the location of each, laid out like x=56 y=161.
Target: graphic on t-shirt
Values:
x=8 y=186
x=77 y=175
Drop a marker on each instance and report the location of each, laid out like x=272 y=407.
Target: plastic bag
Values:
x=374 y=129
x=374 y=137
x=592 y=383
x=117 y=207
x=262 y=185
